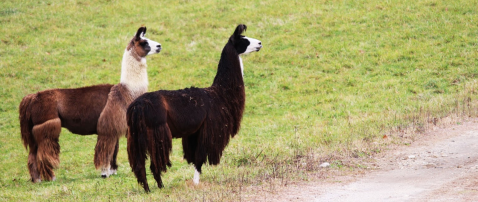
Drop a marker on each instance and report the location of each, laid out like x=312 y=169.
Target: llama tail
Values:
x=146 y=136
x=26 y=123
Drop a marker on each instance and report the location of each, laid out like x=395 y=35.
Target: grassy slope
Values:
x=331 y=77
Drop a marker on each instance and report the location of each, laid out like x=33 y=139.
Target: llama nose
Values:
x=260 y=46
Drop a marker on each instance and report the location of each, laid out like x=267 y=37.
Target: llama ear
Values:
x=144 y=32
x=239 y=30
x=140 y=33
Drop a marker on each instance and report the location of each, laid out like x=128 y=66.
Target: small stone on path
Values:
x=324 y=165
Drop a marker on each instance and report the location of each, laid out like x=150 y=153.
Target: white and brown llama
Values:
x=99 y=109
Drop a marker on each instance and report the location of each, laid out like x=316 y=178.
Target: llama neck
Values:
x=229 y=71
x=133 y=73
x=229 y=86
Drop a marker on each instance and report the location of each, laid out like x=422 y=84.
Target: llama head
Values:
x=142 y=45
x=242 y=44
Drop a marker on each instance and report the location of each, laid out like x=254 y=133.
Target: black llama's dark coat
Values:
x=205 y=119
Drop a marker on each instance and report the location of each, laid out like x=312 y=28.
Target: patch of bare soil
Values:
x=441 y=165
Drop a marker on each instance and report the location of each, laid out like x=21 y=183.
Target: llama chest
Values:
x=122 y=94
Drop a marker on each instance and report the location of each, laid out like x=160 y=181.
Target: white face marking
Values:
x=155 y=46
x=196 y=177
x=255 y=45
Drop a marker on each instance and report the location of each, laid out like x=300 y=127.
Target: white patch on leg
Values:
x=105 y=172
x=113 y=172
x=37 y=180
x=196 y=177
x=54 y=178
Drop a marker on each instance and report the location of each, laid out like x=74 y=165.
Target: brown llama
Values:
x=205 y=118
x=99 y=109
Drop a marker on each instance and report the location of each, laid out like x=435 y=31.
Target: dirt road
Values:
x=442 y=165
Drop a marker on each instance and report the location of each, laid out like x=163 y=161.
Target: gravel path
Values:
x=440 y=166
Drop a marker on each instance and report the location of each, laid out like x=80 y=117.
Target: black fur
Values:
x=205 y=118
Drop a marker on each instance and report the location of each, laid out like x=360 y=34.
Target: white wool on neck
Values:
x=134 y=73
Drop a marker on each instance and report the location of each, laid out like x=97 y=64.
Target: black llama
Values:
x=205 y=118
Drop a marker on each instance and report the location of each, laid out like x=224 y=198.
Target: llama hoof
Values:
x=36 y=180
x=113 y=172
x=105 y=172
x=53 y=179
x=105 y=175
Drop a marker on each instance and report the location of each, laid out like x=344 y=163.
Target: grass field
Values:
x=334 y=77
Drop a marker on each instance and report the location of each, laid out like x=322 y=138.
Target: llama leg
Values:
x=199 y=159
x=104 y=150
x=114 y=165
x=190 y=145
x=159 y=151
x=156 y=175
x=47 y=153
x=105 y=171
x=197 y=173
x=196 y=177
x=32 y=165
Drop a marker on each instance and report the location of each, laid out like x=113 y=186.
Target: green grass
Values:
x=332 y=79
